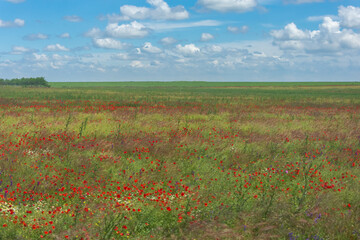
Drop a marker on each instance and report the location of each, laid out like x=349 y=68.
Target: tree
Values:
x=39 y=81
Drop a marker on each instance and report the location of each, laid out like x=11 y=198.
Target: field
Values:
x=180 y=160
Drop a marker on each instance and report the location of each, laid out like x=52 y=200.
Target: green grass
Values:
x=198 y=84
x=180 y=161
x=174 y=93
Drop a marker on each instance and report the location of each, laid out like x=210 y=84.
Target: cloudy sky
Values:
x=163 y=40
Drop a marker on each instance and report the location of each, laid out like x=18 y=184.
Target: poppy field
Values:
x=180 y=161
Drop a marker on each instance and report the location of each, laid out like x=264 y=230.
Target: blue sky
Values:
x=193 y=40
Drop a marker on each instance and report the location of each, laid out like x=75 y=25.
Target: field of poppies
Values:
x=180 y=161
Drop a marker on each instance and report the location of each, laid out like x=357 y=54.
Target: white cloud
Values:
x=20 y=50
x=94 y=33
x=65 y=35
x=160 y=10
x=189 y=49
x=328 y=38
x=73 y=18
x=121 y=56
x=108 y=43
x=58 y=57
x=229 y=5
x=233 y=29
x=7 y=63
x=54 y=66
x=243 y=29
x=55 y=48
x=100 y=69
x=170 y=25
x=350 y=39
x=136 y=64
x=168 y=40
x=349 y=16
x=37 y=36
x=19 y=22
x=113 y=18
x=16 y=23
x=290 y=32
x=329 y=26
x=321 y=18
x=58 y=61
x=206 y=37
x=39 y=57
x=132 y=30
x=15 y=1
x=148 y=47
x=214 y=49
x=220 y=62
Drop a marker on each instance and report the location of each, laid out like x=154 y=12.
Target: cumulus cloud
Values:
x=108 y=43
x=329 y=37
x=16 y=23
x=55 y=48
x=239 y=6
x=290 y=32
x=39 y=57
x=206 y=37
x=94 y=33
x=36 y=36
x=189 y=49
x=73 y=18
x=160 y=10
x=349 y=16
x=64 y=35
x=148 y=47
x=132 y=30
x=168 y=40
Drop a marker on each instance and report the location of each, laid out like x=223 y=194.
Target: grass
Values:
x=181 y=84
x=180 y=161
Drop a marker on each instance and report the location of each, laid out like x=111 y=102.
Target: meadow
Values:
x=177 y=160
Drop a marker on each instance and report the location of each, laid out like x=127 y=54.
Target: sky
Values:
x=192 y=40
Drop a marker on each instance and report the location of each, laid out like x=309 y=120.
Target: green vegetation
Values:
x=27 y=82
x=186 y=161
x=188 y=84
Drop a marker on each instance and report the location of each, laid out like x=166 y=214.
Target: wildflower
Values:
x=317 y=218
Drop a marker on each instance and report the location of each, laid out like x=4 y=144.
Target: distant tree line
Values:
x=30 y=82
